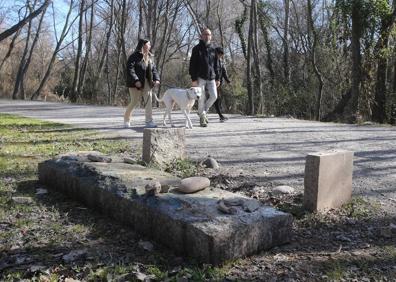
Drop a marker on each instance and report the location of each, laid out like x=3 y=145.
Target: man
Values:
x=223 y=75
x=204 y=72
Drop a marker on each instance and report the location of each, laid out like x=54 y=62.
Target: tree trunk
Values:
x=103 y=57
x=140 y=27
x=268 y=47
x=54 y=54
x=356 y=58
x=220 y=4
x=249 y=77
x=88 y=44
x=23 y=58
x=12 y=45
x=29 y=58
x=74 y=93
x=313 y=46
x=239 y=29
x=286 y=66
x=378 y=109
x=258 y=80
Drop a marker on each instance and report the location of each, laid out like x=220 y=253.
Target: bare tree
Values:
x=24 y=21
x=313 y=44
x=379 y=111
x=285 y=39
x=249 y=59
x=74 y=93
x=24 y=54
x=65 y=31
x=356 y=56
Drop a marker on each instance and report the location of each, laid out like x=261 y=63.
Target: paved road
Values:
x=271 y=149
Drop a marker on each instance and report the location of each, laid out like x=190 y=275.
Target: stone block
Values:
x=328 y=180
x=163 y=145
x=189 y=224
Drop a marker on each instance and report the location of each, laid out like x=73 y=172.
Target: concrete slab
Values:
x=190 y=225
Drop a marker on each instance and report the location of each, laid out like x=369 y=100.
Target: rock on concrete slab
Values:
x=328 y=180
x=163 y=145
x=193 y=184
x=189 y=224
x=283 y=189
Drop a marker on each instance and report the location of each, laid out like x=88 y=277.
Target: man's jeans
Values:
x=203 y=104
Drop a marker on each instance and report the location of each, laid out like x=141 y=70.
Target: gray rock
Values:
x=283 y=189
x=221 y=206
x=22 y=200
x=146 y=245
x=130 y=160
x=251 y=205
x=99 y=158
x=193 y=184
x=74 y=255
x=153 y=188
x=210 y=163
x=41 y=191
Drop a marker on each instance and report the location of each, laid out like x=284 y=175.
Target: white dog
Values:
x=184 y=98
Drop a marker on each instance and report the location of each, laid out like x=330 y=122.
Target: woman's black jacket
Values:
x=136 y=70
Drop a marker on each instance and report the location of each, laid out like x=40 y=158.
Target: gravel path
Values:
x=272 y=150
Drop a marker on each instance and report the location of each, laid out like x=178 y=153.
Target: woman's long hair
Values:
x=140 y=44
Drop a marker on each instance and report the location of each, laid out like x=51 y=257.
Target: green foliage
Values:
x=371 y=11
x=360 y=208
x=24 y=142
x=239 y=22
x=158 y=273
x=335 y=271
x=182 y=168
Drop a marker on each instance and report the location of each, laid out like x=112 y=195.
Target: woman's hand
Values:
x=138 y=84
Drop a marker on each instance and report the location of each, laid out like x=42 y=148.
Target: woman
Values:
x=142 y=76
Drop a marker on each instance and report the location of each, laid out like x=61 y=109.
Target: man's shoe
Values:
x=206 y=119
x=202 y=121
x=127 y=124
x=150 y=124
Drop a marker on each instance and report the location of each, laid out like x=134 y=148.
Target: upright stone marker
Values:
x=163 y=145
x=328 y=180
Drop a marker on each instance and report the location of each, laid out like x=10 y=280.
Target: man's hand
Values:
x=156 y=82
x=194 y=83
x=138 y=84
x=217 y=83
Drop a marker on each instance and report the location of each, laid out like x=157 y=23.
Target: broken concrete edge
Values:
x=328 y=180
x=191 y=235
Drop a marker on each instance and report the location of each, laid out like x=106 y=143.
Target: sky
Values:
x=11 y=11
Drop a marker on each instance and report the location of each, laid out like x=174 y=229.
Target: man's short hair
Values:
x=205 y=29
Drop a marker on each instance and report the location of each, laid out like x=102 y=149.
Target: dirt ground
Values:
x=354 y=243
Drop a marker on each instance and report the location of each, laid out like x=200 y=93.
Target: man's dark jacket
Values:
x=138 y=71
x=204 y=62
